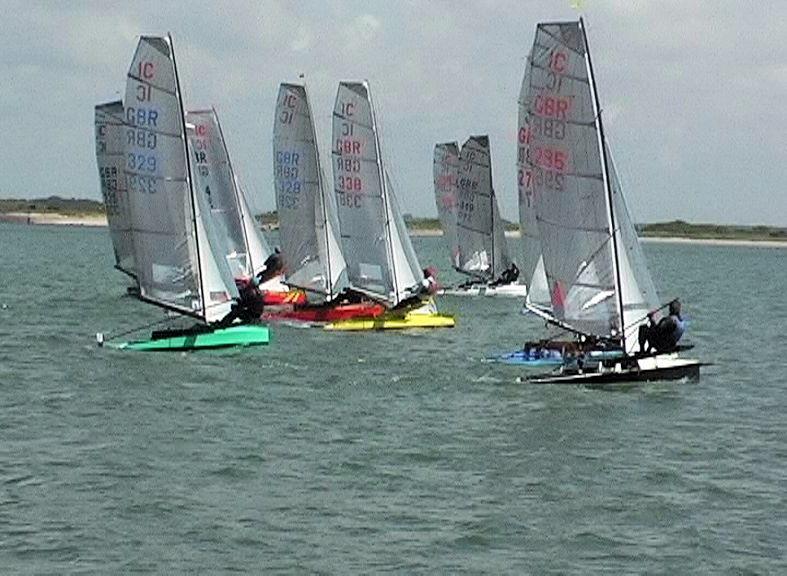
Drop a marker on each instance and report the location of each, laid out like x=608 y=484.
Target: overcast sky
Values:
x=694 y=92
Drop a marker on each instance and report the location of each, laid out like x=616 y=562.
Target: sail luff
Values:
x=321 y=192
x=445 y=173
x=110 y=159
x=608 y=188
x=236 y=190
x=384 y=190
x=189 y=182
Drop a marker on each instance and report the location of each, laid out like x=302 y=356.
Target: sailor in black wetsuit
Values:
x=249 y=306
x=273 y=267
x=509 y=276
x=663 y=335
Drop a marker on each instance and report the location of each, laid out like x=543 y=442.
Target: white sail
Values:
x=111 y=159
x=307 y=215
x=597 y=275
x=380 y=258
x=446 y=177
x=258 y=247
x=214 y=181
x=638 y=291
x=532 y=268
x=176 y=267
x=482 y=246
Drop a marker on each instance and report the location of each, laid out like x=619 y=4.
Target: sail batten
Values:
x=307 y=221
x=481 y=240
x=176 y=266
x=595 y=269
x=111 y=159
x=380 y=258
x=215 y=183
x=446 y=178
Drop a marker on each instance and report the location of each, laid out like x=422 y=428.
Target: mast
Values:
x=321 y=192
x=237 y=191
x=188 y=179
x=492 y=213
x=607 y=187
x=384 y=190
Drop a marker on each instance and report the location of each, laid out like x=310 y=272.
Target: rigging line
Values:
x=635 y=324
x=150 y=84
x=138 y=328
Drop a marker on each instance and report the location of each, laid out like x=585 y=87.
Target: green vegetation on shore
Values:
x=76 y=207
x=53 y=205
x=681 y=229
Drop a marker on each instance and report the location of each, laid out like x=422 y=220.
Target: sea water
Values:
x=406 y=452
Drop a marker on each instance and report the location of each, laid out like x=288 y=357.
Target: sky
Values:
x=693 y=92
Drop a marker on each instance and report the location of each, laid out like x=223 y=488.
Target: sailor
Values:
x=509 y=276
x=273 y=267
x=664 y=335
x=429 y=283
x=423 y=297
x=249 y=306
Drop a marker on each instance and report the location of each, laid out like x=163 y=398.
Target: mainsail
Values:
x=380 y=258
x=446 y=178
x=597 y=277
x=176 y=266
x=308 y=227
x=111 y=159
x=215 y=182
x=481 y=237
x=532 y=267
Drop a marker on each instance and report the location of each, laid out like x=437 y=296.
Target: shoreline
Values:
x=100 y=220
x=43 y=218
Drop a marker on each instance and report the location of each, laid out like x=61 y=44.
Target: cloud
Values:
x=693 y=92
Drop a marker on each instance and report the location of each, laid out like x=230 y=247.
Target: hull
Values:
x=505 y=291
x=539 y=356
x=275 y=298
x=322 y=314
x=244 y=335
x=395 y=321
x=522 y=358
x=652 y=369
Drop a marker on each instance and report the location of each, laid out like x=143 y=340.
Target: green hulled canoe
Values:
x=245 y=335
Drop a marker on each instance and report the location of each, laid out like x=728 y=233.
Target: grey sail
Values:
x=598 y=278
x=175 y=262
x=111 y=159
x=308 y=227
x=569 y=182
x=483 y=251
x=380 y=258
x=446 y=178
x=532 y=267
x=214 y=181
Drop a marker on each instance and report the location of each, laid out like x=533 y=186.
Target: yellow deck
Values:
x=392 y=321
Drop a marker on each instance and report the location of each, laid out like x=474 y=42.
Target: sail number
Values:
x=109 y=185
x=287 y=176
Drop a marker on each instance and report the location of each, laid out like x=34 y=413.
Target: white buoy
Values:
x=100 y=338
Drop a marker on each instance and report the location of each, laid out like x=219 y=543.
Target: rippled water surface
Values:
x=347 y=453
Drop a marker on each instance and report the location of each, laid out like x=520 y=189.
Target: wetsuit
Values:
x=249 y=306
x=662 y=336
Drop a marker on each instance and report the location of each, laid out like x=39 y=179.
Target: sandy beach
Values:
x=55 y=219
x=715 y=241
x=101 y=220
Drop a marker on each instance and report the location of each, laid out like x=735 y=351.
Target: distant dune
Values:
x=81 y=212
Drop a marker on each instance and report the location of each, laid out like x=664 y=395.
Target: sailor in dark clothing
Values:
x=664 y=335
x=273 y=267
x=509 y=276
x=249 y=306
